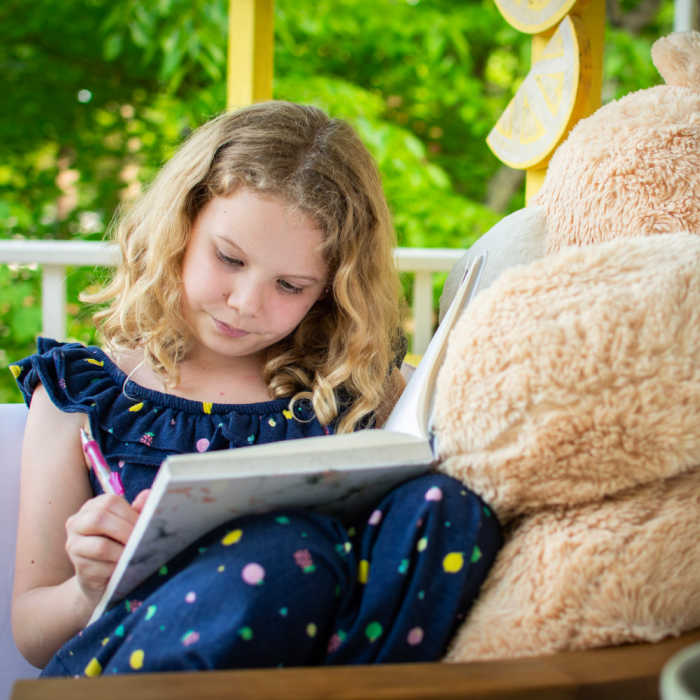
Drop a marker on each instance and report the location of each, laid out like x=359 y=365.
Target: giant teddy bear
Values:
x=569 y=397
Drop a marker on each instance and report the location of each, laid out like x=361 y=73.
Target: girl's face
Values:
x=252 y=270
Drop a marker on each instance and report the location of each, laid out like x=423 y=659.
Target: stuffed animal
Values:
x=569 y=397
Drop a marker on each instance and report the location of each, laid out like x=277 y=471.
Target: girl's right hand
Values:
x=95 y=539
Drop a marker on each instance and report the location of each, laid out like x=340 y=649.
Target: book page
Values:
x=342 y=475
x=412 y=412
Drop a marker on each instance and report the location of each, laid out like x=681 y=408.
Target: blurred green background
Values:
x=99 y=93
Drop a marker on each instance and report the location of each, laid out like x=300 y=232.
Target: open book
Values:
x=339 y=474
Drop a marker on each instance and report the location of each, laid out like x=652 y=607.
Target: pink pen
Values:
x=109 y=480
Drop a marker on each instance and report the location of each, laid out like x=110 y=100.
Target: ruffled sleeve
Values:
x=72 y=374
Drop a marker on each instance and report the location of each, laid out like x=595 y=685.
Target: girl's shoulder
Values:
x=85 y=379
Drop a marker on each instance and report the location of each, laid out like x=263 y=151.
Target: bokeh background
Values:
x=97 y=94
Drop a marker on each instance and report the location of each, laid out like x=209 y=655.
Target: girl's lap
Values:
x=299 y=588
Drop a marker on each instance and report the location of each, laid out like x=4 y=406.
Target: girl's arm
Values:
x=67 y=541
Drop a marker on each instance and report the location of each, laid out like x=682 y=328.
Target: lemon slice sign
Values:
x=534 y=16
x=537 y=117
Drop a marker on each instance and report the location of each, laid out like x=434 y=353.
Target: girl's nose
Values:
x=246 y=295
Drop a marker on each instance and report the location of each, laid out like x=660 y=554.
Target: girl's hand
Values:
x=95 y=539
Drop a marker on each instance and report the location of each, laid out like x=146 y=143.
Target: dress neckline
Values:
x=133 y=390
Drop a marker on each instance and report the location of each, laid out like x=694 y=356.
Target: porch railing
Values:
x=53 y=257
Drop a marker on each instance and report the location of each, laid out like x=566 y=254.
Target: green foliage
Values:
x=426 y=61
x=628 y=63
x=99 y=93
x=20 y=317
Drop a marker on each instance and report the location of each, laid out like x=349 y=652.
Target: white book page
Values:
x=412 y=412
x=193 y=493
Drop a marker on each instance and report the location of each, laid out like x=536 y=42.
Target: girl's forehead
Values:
x=294 y=206
x=245 y=204
x=262 y=225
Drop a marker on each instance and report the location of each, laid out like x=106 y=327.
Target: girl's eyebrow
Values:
x=228 y=241
x=307 y=278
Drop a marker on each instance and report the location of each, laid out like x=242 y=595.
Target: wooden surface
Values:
x=619 y=672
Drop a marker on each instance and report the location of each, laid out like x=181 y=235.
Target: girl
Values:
x=256 y=301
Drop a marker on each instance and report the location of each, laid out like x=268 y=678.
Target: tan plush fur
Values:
x=579 y=423
x=576 y=382
x=622 y=570
x=570 y=393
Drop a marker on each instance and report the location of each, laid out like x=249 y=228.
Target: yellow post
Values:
x=590 y=14
x=250 y=52
x=563 y=84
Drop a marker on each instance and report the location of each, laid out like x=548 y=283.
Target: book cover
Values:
x=343 y=475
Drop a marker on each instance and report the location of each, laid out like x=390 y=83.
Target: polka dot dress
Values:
x=279 y=589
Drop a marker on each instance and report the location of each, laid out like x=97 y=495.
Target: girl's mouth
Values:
x=229 y=331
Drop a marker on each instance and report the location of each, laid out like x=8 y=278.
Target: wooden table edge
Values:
x=630 y=670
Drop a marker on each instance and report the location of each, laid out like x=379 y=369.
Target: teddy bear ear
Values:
x=677 y=58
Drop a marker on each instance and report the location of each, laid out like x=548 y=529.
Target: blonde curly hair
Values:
x=341 y=353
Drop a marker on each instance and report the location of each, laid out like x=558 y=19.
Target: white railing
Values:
x=54 y=256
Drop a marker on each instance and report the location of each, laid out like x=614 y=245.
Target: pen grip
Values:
x=116 y=483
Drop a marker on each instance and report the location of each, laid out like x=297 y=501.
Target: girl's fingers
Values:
x=95 y=538
x=95 y=571
x=106 y=516
x=140 y=501
x=93 y=549
x=92 y=575
x=93 y=559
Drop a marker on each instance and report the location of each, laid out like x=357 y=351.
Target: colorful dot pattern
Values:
x=138 y=428
x=389 y=591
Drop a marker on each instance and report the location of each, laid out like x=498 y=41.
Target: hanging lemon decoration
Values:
x=534 y=16
x=536 y=118
x=563 y=84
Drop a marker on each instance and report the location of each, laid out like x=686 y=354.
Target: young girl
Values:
x=256 y=301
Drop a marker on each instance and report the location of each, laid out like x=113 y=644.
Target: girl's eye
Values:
x=289 y=288
x=226 y=259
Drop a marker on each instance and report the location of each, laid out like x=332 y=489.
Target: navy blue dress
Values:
x=278 y=589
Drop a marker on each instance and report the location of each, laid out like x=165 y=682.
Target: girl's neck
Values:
x=233 y=380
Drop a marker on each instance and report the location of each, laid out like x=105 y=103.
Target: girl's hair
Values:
x=341 y=353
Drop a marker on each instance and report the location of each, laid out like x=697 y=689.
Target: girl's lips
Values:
x=229 y=330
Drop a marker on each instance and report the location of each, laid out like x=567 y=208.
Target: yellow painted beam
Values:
x=250 y=52
x=589 y=19
x=590 y=16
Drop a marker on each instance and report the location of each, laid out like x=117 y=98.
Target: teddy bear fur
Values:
x=569 y=398
x=632 y=167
